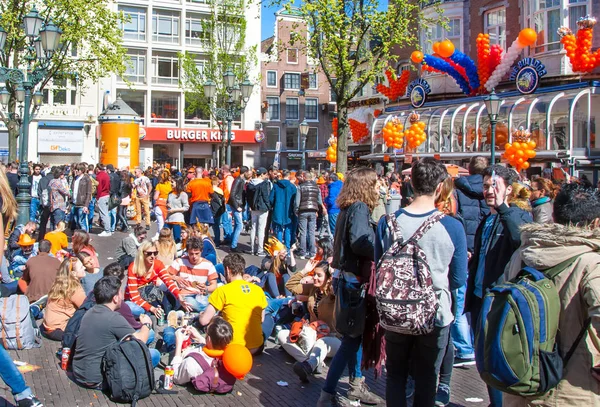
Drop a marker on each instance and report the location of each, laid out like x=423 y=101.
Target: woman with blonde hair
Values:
x=519 y=196
x=8 y=206
x=167 y=249
x=209 y=248
x=145 y=276
x=65 y=297
x=446 y=202
x=161 y=193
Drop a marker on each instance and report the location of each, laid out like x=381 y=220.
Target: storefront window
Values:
x=457 y=129
x=312 y=139
x=580 y=122
x=595 y=112
x=164 y=153
x=559 y=124
x=537 y=121
x=272 y=137
x=165 y=108
x=433 y=131
x=135 y=99
x=291 y=139
x=471 y=129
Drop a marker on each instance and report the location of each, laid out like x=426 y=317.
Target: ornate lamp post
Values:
x=492 y=105
x=303 y=133
x=238 y=96
x=42 y=42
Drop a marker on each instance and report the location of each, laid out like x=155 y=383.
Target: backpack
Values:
x=45 y=197
x=19 y=330
x=72 y=328
x=516 y=334
x=94 y=185
x=214 y=379
x=406 y=300
x=127 y=370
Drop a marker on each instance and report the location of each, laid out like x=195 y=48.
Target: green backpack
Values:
x=516 y=350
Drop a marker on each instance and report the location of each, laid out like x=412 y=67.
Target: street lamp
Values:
x=303 y=133
x=492 y=105
x=42 y=40
x=238 y=96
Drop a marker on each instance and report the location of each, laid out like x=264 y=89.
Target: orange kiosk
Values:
x=119 y=135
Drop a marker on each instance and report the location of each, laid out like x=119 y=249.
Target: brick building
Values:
x=293 y=90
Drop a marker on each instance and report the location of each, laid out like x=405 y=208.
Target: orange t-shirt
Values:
x=200 y=189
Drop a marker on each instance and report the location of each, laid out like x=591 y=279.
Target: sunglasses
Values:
x=151 y=253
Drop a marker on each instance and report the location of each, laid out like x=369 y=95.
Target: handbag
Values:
x=350 y=308
x=114 y=201
x=151 y=294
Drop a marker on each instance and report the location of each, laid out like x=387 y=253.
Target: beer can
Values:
x=161 y=321
x=169 y=373
x=64 y=359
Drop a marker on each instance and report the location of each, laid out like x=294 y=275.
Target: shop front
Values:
x=60 y=142
x=561 y=119
x=199 y=147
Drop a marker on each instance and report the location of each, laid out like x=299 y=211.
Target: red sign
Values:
x=179 y=135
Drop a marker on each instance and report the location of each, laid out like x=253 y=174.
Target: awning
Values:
x=62 y=125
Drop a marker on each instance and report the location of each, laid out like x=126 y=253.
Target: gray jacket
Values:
x=128 y=246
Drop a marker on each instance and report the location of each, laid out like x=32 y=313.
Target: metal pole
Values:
x=229 y=120
x=303 y=164
x=24 y=187
x=493 y=150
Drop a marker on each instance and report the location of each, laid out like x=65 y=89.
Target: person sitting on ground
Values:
x=28 y=248
x=58 y=238
x=218 y=335
x=321 y=300
x=65 y=296
x=91 y=273
x=128 y=248
x=240 y=303
x=13 y=240
x=209 y=248
x=185 y=235
x=40 y=273
x=279 y=267
x=167 y=249
x=195 y=276
x=144 y=278
x=100 y=328
x=83 y=244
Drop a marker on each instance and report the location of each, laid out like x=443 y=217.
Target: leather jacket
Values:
x=309 y=197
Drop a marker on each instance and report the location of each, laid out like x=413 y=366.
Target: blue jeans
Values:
x=283 y=233
x=307 y=227
x=332 y=221
x=151 y=336
x=33 y=209
x=136 y=310
x=217 y=229
x=349 y=354
x=57 y=216
x=12 y=377
x=176 y=229
x=237 y=216
x=461 y=329
x=226 y=222
x=92 y=208
x=293 y=231
x=81 y=218
x=113 y=219
x=169 y=338
x=273 y=289
x=197 y=302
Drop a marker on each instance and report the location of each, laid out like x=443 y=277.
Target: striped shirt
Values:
x=154 y=276
x=204 y=272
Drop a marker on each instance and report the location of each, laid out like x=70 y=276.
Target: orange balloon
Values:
x=436 y=47
x=237 y=359
x=527 y=37
x=416 y=57
x=446 y=48
x=525 y=165
x=532 y=144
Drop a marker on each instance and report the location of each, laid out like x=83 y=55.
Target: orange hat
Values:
x=25 y=240
x=320 y=180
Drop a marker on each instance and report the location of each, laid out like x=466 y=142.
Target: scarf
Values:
x=540 y=201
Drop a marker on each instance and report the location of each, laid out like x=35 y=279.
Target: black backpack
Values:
x=127 y=371
x=72 y=328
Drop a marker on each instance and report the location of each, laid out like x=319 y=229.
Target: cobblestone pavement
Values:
x=54 y=388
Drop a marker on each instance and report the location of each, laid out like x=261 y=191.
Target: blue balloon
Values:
x=443 y=66
x=470 y=68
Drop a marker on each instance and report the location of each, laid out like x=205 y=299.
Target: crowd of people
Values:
x=471 y=232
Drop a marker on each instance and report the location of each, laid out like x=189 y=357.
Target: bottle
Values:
x=64 y=358
x=169 y=372
x=161 y=321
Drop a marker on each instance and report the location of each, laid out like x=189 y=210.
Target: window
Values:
x=135 y=28
x=198 y=116
x=546 y=15
x=136 y=67
x=312 y=139
x=577 y=9
x=361 y=91
x=332 y=93
x=273 y=112
x=438 y=33
x=194 y=32
x=292 y=55
x=312 y=81
x=292 y=81
x=291 y=138
x=272 y=136
x=164 y=107
x=291 y=109
x=165 y=26
x=310 y=109
x=271 y=79
x=165 y=68
x=495 y=26
x=135 y=99
x=64 y=92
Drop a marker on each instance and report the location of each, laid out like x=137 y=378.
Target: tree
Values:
x=224 y=36
x=91 y=46
x=352 y=43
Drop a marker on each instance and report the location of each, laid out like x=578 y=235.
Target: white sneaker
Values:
x=105 y=234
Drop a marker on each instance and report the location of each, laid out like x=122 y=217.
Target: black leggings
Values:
x=55 y=335
x=122 y=216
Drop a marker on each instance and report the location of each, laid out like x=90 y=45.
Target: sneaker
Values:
x=236 y=250
x=359 y=391
x=410 y=387
x=260 y=254
x=442 y=398
x=41 y=302
x=172 y=319
x=30 y=401
x=303 y=370
x=105 y=234
x=333 y=400
x=460 y=362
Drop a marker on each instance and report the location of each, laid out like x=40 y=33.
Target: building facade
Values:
x=293 y=90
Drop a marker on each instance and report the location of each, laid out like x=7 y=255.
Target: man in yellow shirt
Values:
x=58 y=238
x=241 y=304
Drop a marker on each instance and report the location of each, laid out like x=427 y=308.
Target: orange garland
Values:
x=483 y=56
x=397 y=86
x=415 y=135
x=392 y=133
x=579 y=46
x=359 y=130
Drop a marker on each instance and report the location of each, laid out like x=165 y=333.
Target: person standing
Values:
x=143 y=187
x=125 y=190
x=82 y=196
x=257 y=193
x=161 y=193
x=307 y=204
x=542 y=194
x=177 y=206
x=59 y=194
x=103 y=197
x=34 y=180
x=13 y=177
x=44 y=196
x=217 y=207
x=114 y=196
x=226 y=184
x=282 y=199
x=334 y=187
x=199 y=190
x=237 y=202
